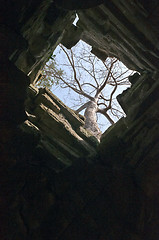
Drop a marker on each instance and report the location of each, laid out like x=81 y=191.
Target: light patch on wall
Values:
x=76 y=20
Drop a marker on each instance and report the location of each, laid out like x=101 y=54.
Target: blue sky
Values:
x=69 y=97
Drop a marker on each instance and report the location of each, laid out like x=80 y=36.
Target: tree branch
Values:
x=103 y=111
x=82 y=107
x=73 y=88
x=112 y=93
x=106 y=80
x=71 y=61
x=89 y=85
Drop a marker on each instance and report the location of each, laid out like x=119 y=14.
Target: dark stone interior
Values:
x=57 y=180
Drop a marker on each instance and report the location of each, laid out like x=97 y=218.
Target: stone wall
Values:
x=121 y=29
x=51 y=186
x=131 y=145
x=61 y=129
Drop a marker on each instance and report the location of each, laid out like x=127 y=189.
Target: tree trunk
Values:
x=91 y=119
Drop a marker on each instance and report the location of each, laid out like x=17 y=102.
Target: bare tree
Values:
x=94 y=81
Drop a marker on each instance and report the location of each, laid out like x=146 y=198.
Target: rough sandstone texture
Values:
x=61 y=129
x=55 y=182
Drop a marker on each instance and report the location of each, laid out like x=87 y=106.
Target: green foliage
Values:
x=48 y=74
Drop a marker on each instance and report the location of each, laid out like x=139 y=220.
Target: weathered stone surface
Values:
x=132 y=143
x=43 y=32
x=74 y=4
x=48 y=102
x=32 y=91
x=112 y=145
x=70 y=114
x=142 y=94
x=86 y=135
x=71 y=36
x=121 y=30
x=59 y=126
